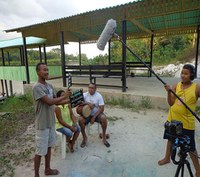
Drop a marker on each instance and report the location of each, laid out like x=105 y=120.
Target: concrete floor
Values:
x=136 y=140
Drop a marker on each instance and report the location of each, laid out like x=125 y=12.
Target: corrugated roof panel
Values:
x=161 y=16
x=19 y=42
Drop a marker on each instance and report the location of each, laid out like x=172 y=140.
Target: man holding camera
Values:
x=188 y=92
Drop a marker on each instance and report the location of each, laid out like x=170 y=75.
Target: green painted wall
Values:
x=18 y=73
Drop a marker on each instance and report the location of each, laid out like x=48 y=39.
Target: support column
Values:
x=40 y=53
x=8 y=56
x=6 y=87
x=2 y=86
x=124 y=57
x=151 y=54
x=45 y=54
x=3 y=59
x=10 y=81
x=80 y=59
x=62 y=45
x=197 y=51
x=21 y=56
x=11 y=87
x=26 y=61
x=5 y=82
x=109 y=58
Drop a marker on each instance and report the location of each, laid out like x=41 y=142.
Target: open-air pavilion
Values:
x=140 y=19
x=19 y=73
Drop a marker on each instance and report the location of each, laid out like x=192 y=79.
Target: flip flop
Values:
x=52 y=172
x=107 y=136
x=107 y=144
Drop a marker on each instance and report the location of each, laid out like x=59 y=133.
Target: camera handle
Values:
x=119 y=38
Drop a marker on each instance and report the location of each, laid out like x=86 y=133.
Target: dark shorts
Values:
x=98 y=118
x=189 y=133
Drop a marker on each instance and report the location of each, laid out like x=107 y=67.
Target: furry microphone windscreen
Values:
x=106 y=34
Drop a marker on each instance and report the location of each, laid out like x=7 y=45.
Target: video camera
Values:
x=175 y=128
x=178 y=139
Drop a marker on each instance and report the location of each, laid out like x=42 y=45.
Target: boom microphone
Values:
x=106 y=34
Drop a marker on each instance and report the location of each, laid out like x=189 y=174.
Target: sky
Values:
x=18 y=13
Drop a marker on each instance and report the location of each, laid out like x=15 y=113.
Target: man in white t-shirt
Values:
x=95 y=101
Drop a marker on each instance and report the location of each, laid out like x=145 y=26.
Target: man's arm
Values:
x=52 y=101
x=58 y=101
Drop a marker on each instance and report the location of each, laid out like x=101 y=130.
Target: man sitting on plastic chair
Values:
x=95 y=101
x=66 y=122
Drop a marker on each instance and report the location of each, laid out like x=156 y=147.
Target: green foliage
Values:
x=166 y=49
x=169 y=49
x=198 y=110
x=99 y=60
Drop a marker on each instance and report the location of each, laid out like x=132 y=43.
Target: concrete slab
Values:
x=135 y=138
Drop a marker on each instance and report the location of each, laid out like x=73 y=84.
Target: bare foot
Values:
x=71 y=148
x=163 y=162
x=51 y=172
x=197 y=174
x=84 y=142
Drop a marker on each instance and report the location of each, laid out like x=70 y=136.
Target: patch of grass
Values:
x=125 y=102
x=18 y=115
x=16 y=104
x=146 y=103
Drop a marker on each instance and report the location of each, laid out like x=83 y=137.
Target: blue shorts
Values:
x=66 y=131
x=189 y=133
x=98 y=118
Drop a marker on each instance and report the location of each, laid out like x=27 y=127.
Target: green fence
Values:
x=18 y=73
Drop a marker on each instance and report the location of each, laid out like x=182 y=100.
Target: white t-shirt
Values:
x=95 y=99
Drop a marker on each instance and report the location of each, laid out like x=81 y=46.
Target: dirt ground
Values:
x=136 y=146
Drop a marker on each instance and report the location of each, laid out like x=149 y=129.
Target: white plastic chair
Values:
x=63 y=144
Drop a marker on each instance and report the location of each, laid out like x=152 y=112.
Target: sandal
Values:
x=107 y=136
x=107 y=144
x=51 y=172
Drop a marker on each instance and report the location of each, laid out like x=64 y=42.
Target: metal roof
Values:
x=145 y=17
x=17 y=42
